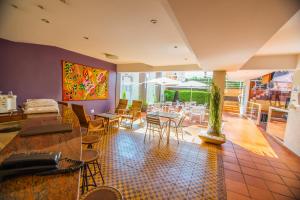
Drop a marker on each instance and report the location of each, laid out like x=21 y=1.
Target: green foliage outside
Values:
x=215 y=111
x=201 y=97
x=124 y=94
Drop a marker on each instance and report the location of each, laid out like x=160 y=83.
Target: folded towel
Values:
x=39 y=103
x=45 y=109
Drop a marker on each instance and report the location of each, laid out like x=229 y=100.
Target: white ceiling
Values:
x=214 y=34
x=225 y=34
x=286 y=40
x=117 y=27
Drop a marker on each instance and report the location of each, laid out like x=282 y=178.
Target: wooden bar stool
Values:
x=91 y=168
x=104 y=193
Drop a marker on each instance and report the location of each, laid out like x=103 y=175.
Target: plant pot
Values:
x=212 y=138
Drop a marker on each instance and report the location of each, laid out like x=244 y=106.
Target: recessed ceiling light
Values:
x=63 y=1
x=185 y=59
x=110 y=56
x=45 y=20
x=153 y=21
x=41 y=7
x=175 y=47
x=14 y=6
x=85 y=37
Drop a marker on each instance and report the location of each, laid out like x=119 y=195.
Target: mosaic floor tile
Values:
x=153 y=170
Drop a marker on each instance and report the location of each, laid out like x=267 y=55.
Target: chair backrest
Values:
x=136 y=105
x=152 y=119
x=80 y=113
x=122 y=104
x=181 y=120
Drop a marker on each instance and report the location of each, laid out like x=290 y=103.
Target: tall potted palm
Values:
x=214 y=135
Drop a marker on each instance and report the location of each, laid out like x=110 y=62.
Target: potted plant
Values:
x=213 y=134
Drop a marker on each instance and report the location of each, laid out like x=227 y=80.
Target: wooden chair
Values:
x=155 y=125
x=134 y=113
x=94 y=127
x=177 y=125
x=121 y=108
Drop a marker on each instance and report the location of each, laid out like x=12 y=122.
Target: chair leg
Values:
x=99 y=168
x=176 y=130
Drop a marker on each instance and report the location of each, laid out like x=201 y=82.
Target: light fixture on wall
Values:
x=85 y=37
x=45 y=20
x=175 y=47
x=110 y=56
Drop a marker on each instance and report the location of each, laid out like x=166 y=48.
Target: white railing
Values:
x=253 y=111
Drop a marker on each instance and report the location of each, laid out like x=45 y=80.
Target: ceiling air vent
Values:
x=110 y=56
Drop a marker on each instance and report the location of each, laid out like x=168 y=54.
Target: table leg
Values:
x=168 y=131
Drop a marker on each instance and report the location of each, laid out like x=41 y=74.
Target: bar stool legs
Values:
x=87 y=173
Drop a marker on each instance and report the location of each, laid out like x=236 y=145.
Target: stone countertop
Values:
x=65 y=186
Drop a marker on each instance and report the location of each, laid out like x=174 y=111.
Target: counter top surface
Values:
x=64 y=186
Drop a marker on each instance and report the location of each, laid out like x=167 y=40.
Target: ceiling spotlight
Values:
x=45 y=20
x=153 y=21
x=85 y=37
x=175 y=47
x=14 y=6
x=41 y=7
x=63 y=1
x=110 y=56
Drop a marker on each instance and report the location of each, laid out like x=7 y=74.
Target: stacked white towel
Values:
x=33 y=106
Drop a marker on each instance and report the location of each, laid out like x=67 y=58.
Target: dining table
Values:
x=110 y=118
x=167 y=115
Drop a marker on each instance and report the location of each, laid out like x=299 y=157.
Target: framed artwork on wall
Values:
x=81 y=82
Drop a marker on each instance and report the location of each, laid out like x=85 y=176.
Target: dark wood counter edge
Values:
x=44 y=187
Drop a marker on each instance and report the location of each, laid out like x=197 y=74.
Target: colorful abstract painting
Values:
x=81 y=82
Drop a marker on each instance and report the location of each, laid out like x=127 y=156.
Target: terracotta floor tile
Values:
x=260 y=194
x=230 y=159
x=264 y=167
x=296 y=192
x=233 y=167
x=247 y=164
x=233 y=175
x=271 y=177
x=279 y=188
x=250 y=171
x=261 y=161
x=281 y=197
x=286 y=173
x=278 y=164
x=291 y=182
x=236 y=186
x=244 y=157
x=236 y=196
x=255 y=182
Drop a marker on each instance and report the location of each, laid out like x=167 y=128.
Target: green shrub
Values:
x=201 y=97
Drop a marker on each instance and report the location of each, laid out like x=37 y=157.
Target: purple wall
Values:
x=34 y=71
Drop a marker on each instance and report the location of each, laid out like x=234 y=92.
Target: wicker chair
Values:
x=121 y=108
x=86 y=122
x=134 y=113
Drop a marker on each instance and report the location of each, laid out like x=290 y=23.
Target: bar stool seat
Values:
x=90 y=140
x=105 y=193
x=89 y=155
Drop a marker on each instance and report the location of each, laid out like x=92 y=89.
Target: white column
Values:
x=219 y=78
x=245 y=97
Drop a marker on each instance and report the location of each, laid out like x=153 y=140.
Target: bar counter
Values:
x=64 y=186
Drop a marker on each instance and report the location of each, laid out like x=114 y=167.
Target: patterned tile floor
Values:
x=255 y=166
x=154 y=170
